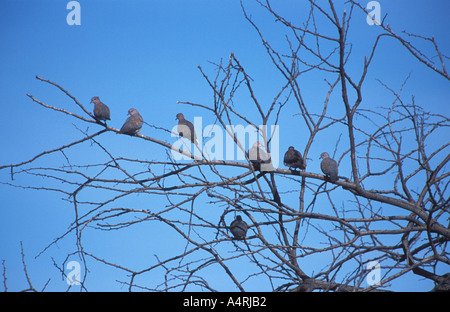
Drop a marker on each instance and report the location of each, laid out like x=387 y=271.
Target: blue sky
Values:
x=145 y=54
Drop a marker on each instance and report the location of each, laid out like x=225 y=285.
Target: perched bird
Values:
x=186 y=129
x=294 y=159
x=329 y=167
x=238 y=228
x=133 y=124
x=101 y=111
x=259 y=158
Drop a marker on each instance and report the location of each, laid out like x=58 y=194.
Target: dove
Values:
x=294 y=159
x=238 y=228
x=259 y=158
x=133 y=124
x=329 y=167
x=101 y=111
x=186 y=129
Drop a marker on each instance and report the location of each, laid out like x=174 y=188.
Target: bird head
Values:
x=180 y=116
x=95 y=99
x=324 y=155
x=132 y=111
x=257 y=144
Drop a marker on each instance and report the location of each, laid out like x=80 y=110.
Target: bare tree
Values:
x=305 y=232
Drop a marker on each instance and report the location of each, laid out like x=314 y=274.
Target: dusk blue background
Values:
x=144 y=54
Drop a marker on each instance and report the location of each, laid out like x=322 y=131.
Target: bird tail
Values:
x=333 y=177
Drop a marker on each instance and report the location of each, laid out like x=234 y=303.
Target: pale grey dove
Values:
x=101 y=111
x=133 y=124
x=186 y=129
x=259 y=158
x=329 y=167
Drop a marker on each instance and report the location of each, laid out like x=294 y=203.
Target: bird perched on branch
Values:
x=101 y=111
x=238 y=228
x=133 y=124
x=329 y=167
x=186 y=129
x=259 y=158
x=294 y=159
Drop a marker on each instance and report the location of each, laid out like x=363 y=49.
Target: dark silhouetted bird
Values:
x=294 y=159
x=238 y=228
x=329 y=167
x=186 y=129
x=259 y=158
x=101 y=111
x=133 y=124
